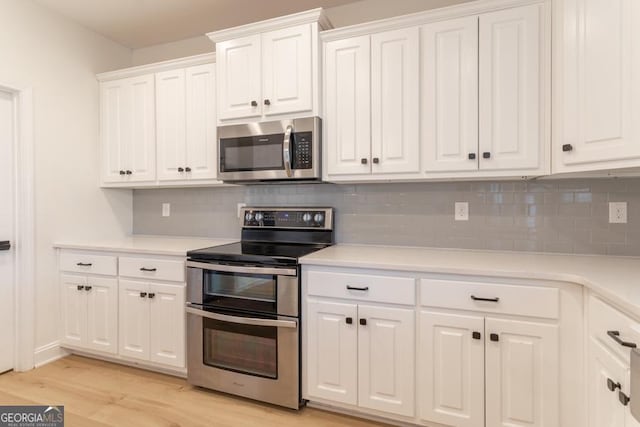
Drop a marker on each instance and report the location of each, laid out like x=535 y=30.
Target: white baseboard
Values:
x=48 y=353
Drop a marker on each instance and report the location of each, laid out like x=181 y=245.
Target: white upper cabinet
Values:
x=269 y=70
x=597 y=92
x=287 y=77
x=347 y=108
x=238 y=64
x=186 y=131
x=127 y=126
x=511 y=135
x=450 y=95
x=395 y=102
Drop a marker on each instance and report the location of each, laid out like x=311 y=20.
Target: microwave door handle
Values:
x=286 y=150
x=241 y=320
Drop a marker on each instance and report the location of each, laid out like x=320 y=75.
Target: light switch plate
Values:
x=618 y=212
x=166 y=209
x=461 y=211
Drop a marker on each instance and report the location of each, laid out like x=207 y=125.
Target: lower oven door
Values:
x=246 y=355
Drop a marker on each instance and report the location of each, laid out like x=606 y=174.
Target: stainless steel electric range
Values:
x=243 y=310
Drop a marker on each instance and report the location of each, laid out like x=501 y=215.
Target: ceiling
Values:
x=141 y=23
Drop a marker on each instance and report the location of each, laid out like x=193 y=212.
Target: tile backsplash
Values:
x=569 y=216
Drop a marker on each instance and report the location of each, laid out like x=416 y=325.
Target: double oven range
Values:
x=243 y=309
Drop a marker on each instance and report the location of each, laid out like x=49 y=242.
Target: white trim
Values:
x=49 y=353
x=306 y=17
x=421 y=18
x=172 y=64
x=24 y=284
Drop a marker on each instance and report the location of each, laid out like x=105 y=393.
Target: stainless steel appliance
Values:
x=243 y=310
x=270 y=151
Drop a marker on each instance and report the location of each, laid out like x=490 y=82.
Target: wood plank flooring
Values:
x=102 y=394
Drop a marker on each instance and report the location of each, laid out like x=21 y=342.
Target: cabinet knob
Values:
x=567 y=147
x=80 y=287
x=143 y=294
x=349 y=320
x=187 y=169
x=472 y=156
x=363 y=322
x=376 y=160
x=476 y=335
x=129 y=172
x=486 y=155
x=254 y=103
x=612 y=386
x=122 y=172
x=623 y=398
x=180 y=169
x=151 y=295
x=363 y=161
x=87 y=288
x=267 y=102
x=494 y=337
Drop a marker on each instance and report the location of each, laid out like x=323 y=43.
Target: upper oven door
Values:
x=280 y=150
x=247 y=288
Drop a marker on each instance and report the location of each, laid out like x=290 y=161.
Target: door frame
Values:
x=24 y=226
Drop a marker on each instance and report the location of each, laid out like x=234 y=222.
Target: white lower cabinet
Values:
x=90 y=312
x=361 y=355
x=152 y=322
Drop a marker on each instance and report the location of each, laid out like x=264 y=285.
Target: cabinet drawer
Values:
x=363 y=287
x=604 y=318
x=152 y=268
x=79 y=262
x=507 y=299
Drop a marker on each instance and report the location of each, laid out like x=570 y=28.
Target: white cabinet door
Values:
x=386 y=356
x=286 y=67
x=600 y=84
x=167 y=324
x=133 y=319
x=201 y=155
x=74 y=309
x=395 y=101
x=239 y=71
x=171 y=124
x=102 y=314
x=450 y=95
x=347 y=104
x=332 y=352
x=451 y=369
x=604 y=407
x=510 y=81
x=127 y=130
x=522 y=369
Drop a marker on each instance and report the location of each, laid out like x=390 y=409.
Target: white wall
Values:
x=340 y=16
x=59 y=60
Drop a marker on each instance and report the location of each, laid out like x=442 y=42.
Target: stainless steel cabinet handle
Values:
x=5 y=245
x=286 y=150
x=241 y=320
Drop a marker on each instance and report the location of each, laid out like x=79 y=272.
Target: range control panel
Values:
x=317 y=218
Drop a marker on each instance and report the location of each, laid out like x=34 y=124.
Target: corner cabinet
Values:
x=124 y=308
x=438 y=95
x=158 y=124
x=597 y=89
x=269 y=69
x=432 y=349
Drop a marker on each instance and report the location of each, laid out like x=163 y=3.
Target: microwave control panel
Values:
x=302 y=157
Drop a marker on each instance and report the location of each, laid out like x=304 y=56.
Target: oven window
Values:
x=251 y=153
x=241 y=348
x=254 y=292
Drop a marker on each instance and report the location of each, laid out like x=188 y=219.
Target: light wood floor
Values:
x=102 y=394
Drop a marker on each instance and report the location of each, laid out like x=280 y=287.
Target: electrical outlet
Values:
x=239 y=209
x=461 y=211
x=618 y=212
x=166 y=209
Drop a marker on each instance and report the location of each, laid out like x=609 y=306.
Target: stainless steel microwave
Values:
x=270 y=151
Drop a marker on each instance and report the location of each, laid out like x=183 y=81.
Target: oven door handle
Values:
x=241 y=269
x=242 y=320
x=286 y=150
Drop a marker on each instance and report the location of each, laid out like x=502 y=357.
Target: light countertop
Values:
x=614 y=278
x=153 y=245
